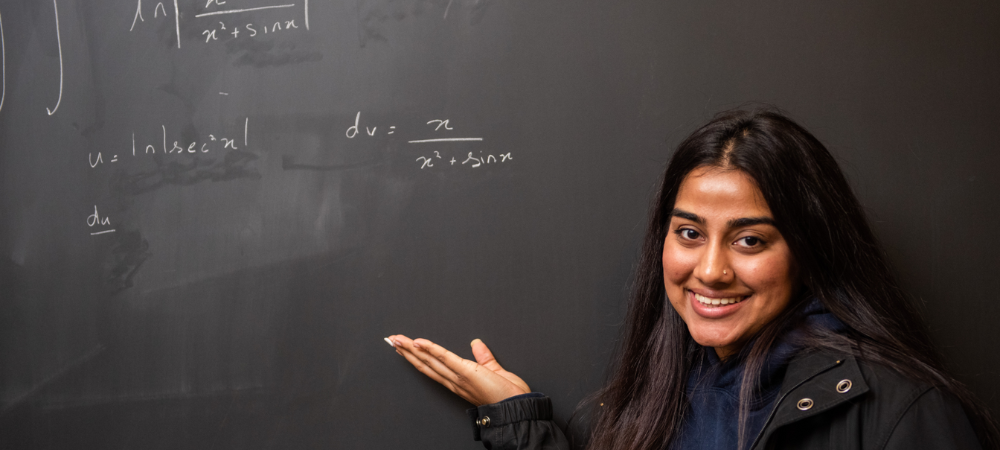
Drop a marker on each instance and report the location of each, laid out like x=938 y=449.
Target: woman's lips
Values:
x=715 y=307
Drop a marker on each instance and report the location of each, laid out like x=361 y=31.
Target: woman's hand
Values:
x=481 y=382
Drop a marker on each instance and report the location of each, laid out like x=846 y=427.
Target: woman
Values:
x=764 y=315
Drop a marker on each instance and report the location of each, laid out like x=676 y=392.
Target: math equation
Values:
x=220 y=21
x=430 y=144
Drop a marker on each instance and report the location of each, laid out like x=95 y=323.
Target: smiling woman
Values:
x=726 y=268
x=764 y=315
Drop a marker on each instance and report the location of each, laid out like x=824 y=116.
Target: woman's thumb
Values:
x=483 y=355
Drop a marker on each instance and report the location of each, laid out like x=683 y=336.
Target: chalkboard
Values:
x=214 y=210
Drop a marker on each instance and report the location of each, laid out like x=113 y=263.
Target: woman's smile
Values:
x=715 y=307
x=726 y=268
x=710 y=301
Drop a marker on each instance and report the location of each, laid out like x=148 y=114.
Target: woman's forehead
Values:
x=724 y=195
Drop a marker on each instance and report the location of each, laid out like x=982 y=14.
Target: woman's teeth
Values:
x=717 y=301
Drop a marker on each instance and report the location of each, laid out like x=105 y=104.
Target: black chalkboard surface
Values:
x=213 y=211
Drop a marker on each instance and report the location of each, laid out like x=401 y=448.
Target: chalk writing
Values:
x=59 y=43
x=470 y=159
x=248 y=30
x=436 y=125
x=424 y=141
x=446 y=8
x=440 y=123
x=439 y=127
x=177 y=23
x=158 y=10
x=235 y=11
x=165 y=147
x=95 y=219
x=217 y=32
x=3 y=66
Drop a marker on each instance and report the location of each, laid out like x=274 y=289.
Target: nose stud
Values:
x=724 y=272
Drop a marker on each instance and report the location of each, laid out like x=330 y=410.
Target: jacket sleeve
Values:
x=933 y=421
x=523 y=422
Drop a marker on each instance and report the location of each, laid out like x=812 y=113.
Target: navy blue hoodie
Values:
x=712 y=420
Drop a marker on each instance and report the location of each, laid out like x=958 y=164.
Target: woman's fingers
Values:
x=465 y=375
x=474 y=382
x=460 y=376
x=460 y=366
x=434 y=375
x=425 y=369
x=430 y=366
x=415 y=353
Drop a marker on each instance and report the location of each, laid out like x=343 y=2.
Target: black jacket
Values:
x=827 y=401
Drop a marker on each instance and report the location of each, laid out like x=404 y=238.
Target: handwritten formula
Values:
x=432 y=144
x=223 y=22
x=179 y=148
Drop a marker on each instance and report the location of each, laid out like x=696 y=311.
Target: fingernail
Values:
x=415 y=344
x=389 y=341
x=474 y=341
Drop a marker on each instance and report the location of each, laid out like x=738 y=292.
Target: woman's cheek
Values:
x=677 y=266
x=766 y=275
x=763 y=268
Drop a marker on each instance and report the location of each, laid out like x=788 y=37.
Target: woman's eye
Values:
x=688 y=233
x=749 y=241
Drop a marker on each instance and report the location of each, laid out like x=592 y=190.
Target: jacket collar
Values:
x=814 y=383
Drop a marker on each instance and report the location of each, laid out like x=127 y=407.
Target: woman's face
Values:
x=726 y=268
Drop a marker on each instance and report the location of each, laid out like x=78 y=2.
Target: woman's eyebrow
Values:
x=734 y=223
x=749 y=221
x=686 y=215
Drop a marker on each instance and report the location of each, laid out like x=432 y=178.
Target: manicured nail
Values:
x=389 y=341
x=416 y=345
x=474 y=341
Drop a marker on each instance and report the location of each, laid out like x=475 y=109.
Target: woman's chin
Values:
x=722 y=344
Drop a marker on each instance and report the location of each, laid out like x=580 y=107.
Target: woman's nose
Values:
x=714 y=269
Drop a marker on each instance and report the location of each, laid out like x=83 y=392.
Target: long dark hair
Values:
x=840 y=262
